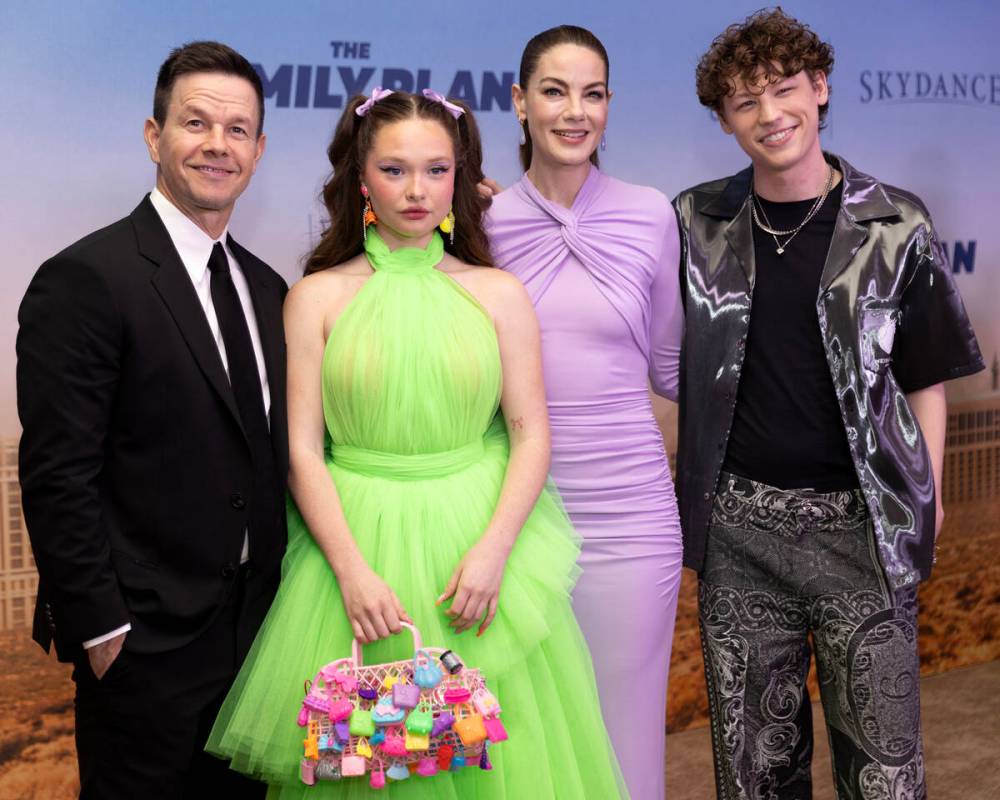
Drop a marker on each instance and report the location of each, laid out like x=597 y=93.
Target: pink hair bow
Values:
x=378 y=93
x=437 y=97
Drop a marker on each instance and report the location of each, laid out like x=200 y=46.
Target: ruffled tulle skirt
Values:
x=413 y=526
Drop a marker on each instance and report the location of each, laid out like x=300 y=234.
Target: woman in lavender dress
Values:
x=599 y=258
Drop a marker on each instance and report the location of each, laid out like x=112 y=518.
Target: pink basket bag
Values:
x=390 y=721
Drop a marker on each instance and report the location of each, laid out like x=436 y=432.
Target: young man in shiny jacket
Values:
x=821 y=323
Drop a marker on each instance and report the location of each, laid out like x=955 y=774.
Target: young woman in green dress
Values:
x=419 y=448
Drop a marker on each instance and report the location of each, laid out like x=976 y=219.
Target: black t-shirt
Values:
x=787 y=428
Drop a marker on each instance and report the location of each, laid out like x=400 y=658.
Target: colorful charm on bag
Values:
x=385 y=713
x=456 y=695
x=442 y=723
x=340 y=710
x=486 y=703
x=389 y=681
x=328 y=770
x=451 y=662
x=427 y=767
x=444 y=755
x=361 y=722
x=421 y=720
x=352 y=766
x=426 y=674
x=470 y=727
x=415 y=742
x=394 y=744
x=346 y=682
x=495 y=731
x=377 y=780
x=405 y=695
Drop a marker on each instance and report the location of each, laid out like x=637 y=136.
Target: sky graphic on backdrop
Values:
x=916 y=101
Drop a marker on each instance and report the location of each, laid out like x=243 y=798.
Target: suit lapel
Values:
x=174 y=286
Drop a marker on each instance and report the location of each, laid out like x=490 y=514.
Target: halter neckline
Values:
x=403 y=259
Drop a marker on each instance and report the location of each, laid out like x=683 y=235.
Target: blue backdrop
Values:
x=916 y=101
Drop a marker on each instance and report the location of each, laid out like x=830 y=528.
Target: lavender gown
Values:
x=603 y=277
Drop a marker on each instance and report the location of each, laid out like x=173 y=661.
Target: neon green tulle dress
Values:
x=411 y=387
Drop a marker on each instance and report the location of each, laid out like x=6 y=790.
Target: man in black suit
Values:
x=151 y=391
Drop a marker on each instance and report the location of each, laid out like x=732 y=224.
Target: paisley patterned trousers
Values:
x=781 y=565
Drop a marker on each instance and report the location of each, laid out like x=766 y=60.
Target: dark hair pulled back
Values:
x=538 y=46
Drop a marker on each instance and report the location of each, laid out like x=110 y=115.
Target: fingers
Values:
x=490 y=614
x=474 y=612
x=488 y=187
x=468 y=609
x=400 y=611
x=370 y=633
x=391 y=617
x=449 y=590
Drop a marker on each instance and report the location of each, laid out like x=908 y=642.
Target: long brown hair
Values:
x=353 y=139
x=538 y=46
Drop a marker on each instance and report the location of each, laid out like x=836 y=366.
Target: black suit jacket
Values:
x=136 y=475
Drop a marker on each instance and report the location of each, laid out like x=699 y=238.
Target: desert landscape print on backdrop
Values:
x=959 y=619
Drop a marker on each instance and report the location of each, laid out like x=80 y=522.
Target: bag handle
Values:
x=356 y=645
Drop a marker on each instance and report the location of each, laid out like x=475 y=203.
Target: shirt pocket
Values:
x=878 y=320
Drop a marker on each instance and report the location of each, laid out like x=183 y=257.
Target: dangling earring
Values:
x=367 y=214
x=522 y=139
x=604 y=141
x=448 y=226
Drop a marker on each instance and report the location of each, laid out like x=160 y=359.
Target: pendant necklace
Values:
x=792 y=233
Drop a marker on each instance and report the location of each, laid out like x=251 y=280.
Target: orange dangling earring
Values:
x=367 y=214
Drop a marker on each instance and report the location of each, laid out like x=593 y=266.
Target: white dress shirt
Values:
x=194 y=246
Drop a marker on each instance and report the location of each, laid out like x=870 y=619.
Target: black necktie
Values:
x=244 y=378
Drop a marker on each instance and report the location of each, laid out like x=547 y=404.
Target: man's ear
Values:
x=151 y=133
x=726 y=128
x=261 y=143
x=821 y=86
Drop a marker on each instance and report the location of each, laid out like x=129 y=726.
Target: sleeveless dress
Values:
x=411 y=387
x=603 y=275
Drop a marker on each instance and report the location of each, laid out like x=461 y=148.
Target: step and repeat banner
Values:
x=916 y=102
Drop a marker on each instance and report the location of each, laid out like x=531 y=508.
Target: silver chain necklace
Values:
x=791 y=234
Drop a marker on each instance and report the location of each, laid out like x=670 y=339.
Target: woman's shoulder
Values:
x=488 y=284
x=326 y=285
x=636 y=196
x=508 y=204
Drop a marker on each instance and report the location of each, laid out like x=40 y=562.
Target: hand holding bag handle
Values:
x=356 y=645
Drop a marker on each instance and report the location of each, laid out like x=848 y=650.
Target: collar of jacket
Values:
x=864 y=200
